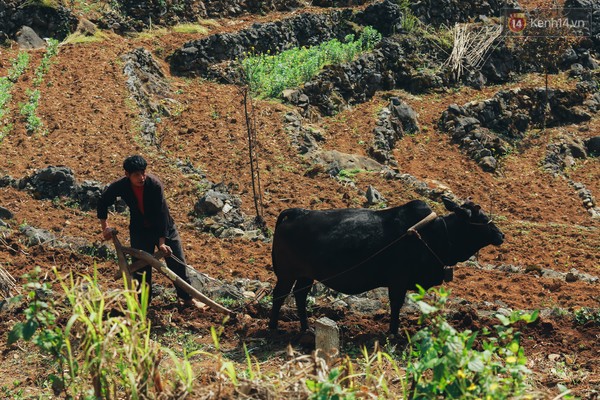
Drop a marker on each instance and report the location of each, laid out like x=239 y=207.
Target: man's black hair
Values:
x=134 y=164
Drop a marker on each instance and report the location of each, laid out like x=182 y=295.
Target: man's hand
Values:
x=107 y=233
x=165 y=249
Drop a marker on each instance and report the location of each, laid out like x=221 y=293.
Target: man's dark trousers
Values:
x=147 y=241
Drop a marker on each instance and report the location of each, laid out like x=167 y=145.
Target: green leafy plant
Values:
x=29 y=111
x=18 y=66
x=329 y=389
x=45 y=64
x=349 y=174
x=587 y=315
x=40 y=324
x=268 y=75
x=446 y=363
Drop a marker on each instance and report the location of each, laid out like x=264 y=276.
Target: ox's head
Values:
x=475 y=228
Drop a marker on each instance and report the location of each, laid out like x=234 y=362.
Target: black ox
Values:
x=355 y=250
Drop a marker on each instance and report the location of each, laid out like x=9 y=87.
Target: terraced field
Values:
x=394 y=119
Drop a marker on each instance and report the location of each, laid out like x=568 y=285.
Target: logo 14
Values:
x=517 y=22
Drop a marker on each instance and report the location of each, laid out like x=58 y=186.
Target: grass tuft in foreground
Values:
x=101 y=345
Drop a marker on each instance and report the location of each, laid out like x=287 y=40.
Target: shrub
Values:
x=445 y=363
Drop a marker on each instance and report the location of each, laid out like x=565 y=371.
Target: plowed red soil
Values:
x=92 y=125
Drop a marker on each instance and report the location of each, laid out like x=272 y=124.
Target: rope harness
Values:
x=413 y=230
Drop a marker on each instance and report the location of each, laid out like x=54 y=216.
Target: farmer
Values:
x=150 y=223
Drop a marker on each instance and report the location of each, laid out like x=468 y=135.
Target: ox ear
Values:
x=449 y=204
x=455 y=208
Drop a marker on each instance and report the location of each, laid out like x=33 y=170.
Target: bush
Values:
x=445 y=363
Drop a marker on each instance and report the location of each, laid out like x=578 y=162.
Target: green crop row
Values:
x=268 y=75
x=46 y=62
x=18 y=66
x=29 y=109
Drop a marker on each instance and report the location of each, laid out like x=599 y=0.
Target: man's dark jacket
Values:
x=156 y=218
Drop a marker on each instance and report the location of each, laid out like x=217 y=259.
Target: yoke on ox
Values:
x=356 y=250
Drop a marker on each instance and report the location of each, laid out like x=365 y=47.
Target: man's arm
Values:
x=163 y=247
x=106 y=230
x=107 y=198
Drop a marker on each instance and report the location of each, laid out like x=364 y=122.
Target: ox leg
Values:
x=301 y=290
x=396 y=296
x=282 y=289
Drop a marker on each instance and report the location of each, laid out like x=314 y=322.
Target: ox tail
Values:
x=286 y=215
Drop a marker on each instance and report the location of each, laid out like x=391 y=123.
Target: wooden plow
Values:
x=144 y=259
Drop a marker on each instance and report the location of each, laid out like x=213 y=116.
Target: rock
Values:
x=232 y=233
x=52 y=182
x=335 y=161
x=554 y=357
x=211 y=203
x=86 y=27
x=571 y=277
x=27 y=39
x=405 y=113
x=487 y=129
x=592 y=146
x=291 y=95
x=196 y=57
x=489 y=164
x=476 y=79
x=88 y=193
x=576 y=147
x=373 y=196
x=149 y=87
x=5 y=213
x=533 y=268
x=363 y=305
x=37 y=236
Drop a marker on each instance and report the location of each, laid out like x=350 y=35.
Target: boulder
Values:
x=27 y=39
x=405 y=114
x=37 y=236
x=86 y=27
x=373 y=196
x=211 y=203
x=5 y=213
x=592 y=146
x=52 y=182
x=335 y=161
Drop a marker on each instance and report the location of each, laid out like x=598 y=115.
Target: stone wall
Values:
x=487 y=129
x=138 y=15
x=450 y=12
x=195 y=57
x=47 y=22
x=160 y=12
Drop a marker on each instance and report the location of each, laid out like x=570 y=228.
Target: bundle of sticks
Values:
x=7 y=284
